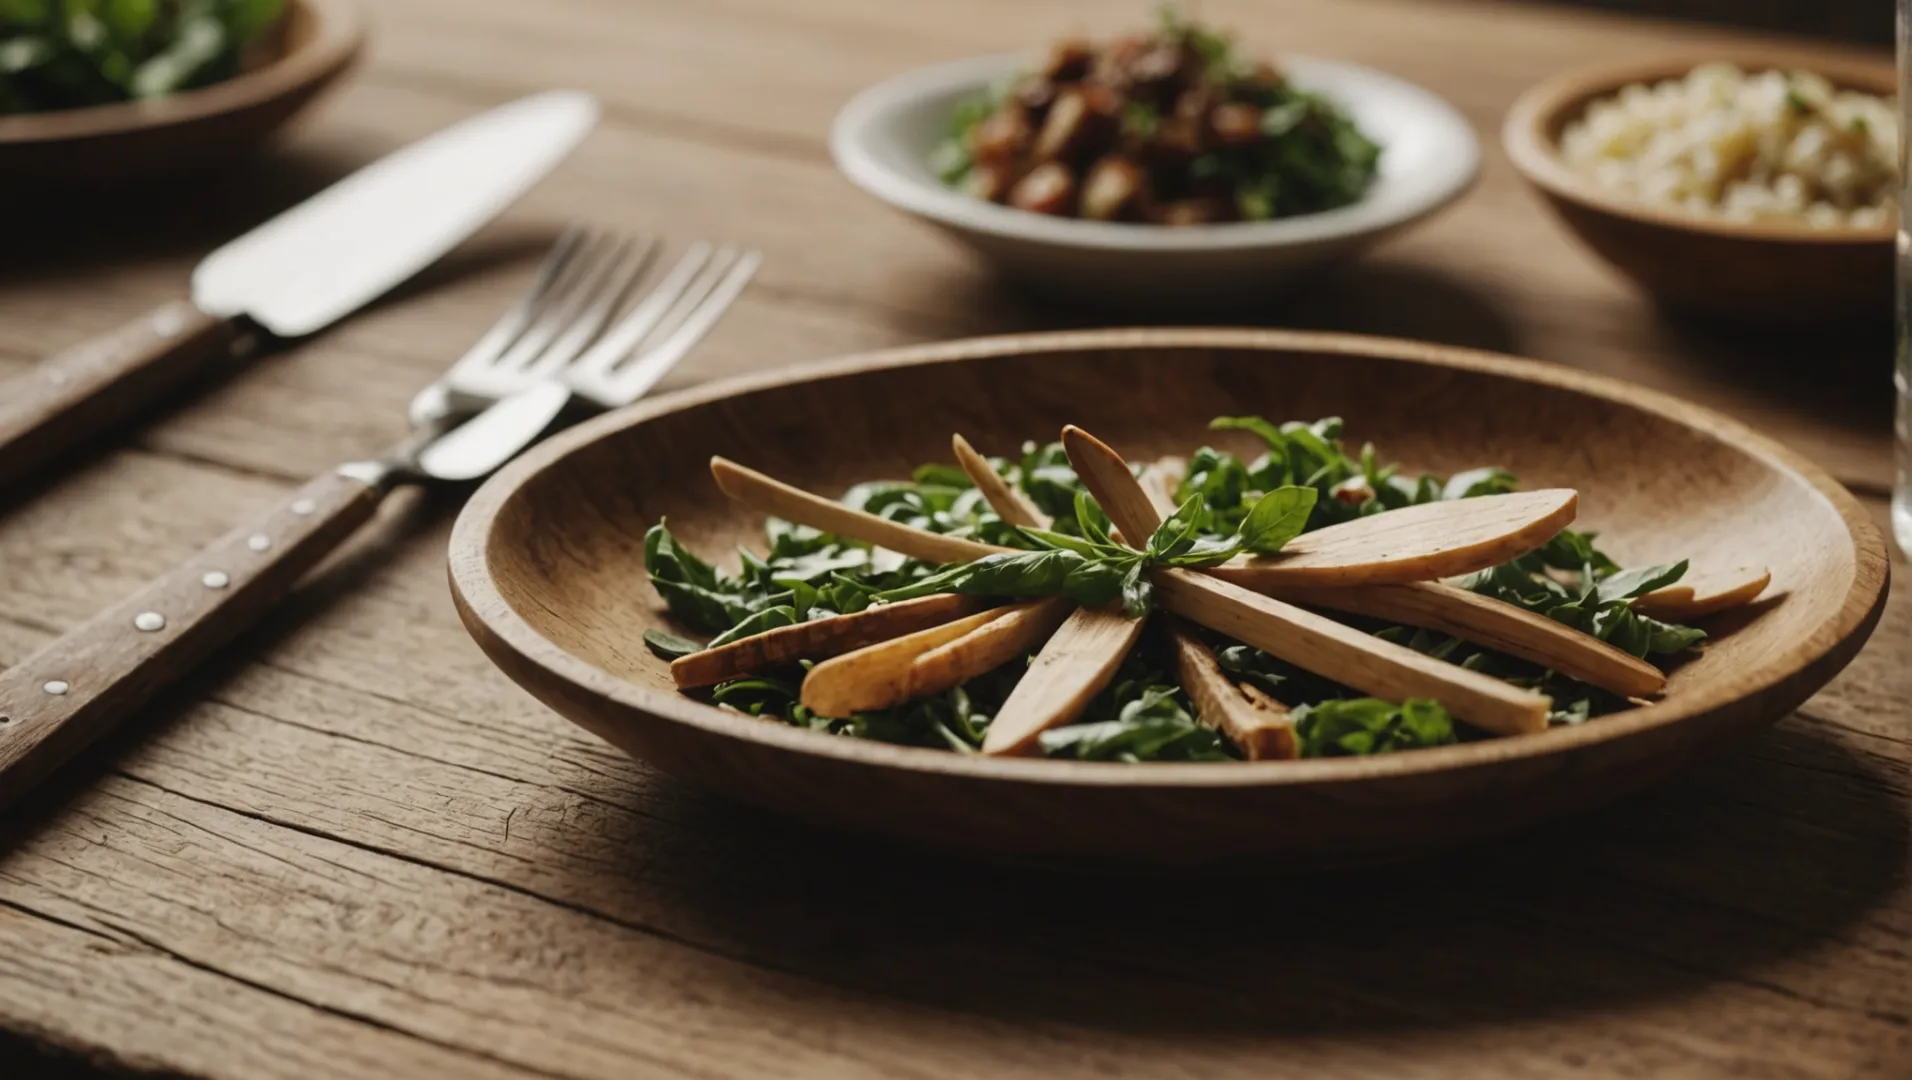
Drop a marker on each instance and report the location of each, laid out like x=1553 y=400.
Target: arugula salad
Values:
x=66 y=54
x=1303 y=480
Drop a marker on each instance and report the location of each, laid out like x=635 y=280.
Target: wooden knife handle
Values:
x=69 y=693
x=88 y=388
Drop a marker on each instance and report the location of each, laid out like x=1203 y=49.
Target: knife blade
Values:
x=297 y=273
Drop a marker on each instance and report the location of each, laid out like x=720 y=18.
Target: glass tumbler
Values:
x=1902 y=366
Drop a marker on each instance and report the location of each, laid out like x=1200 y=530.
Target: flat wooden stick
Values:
x=987 y=647
x=1067 y=674
x=761 y=492
x=1417 y=543
x=1257 y=724
x=878 y=676
x=1493 y=624
x=1300 y=637
x=819 y=639
x=1005 y=499
x=1346 y=655
x=1704 y=593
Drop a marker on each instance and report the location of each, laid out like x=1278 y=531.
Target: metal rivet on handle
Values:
x=56 y=687
x=149 y=621
x=259 y=541
x=215 y=579
x=304 y=507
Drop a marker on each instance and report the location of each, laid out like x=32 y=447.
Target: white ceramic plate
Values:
x=883 y=139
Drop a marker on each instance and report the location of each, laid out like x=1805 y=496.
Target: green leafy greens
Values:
x=1302 y=479
x=64 y=54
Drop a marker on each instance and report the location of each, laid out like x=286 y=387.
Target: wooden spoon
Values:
x=1300 y=637
x=819 y=638
x=1416 y=543
x=1705 y=592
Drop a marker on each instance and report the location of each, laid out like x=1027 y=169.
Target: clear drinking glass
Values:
x=1902 y=368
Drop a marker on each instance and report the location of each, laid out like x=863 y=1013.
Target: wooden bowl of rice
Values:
x=1691 y=200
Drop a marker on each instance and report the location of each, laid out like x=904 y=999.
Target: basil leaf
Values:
x=670 y=646
x=1627 y=584
x=1351 y=727
x=1277 y=518
x=767 y=619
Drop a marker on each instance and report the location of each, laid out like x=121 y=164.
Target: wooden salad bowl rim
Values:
x=331 y=34
x=554 y=674
x=1532 y=130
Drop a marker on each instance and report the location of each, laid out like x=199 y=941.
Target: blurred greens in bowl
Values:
x=67 y=54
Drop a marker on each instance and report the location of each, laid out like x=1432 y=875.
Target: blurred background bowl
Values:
x=884 y=138
x=108 y=146
x=1760 y=274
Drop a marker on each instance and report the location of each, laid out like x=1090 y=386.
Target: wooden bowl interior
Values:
x=566 y=552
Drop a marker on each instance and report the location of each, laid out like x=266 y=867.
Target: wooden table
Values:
x=354 y=849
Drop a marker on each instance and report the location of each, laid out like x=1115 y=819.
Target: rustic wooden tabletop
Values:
x=352 y=848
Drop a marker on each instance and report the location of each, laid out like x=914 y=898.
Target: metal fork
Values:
x=563 y=345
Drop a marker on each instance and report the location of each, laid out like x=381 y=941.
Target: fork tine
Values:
x=657 y=361
x=575 y=289
x=694 y=293
x=618 y=342
x=606 y=298
x=493 y=343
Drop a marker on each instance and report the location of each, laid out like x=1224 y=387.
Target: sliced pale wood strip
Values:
x=878 y=676
x=1347 y=655
x=1495 y=625
x=1067 y=674
x=987 y=647
x=1257 y=724
x=1705 y=592
x=771 y=496
x=1416 y=543
x=819 y=638
x=1301 y=637
x=1006 y=500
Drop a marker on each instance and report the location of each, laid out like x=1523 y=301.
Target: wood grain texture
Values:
x=1070 y=670
x=69 y=693
x=818 y=639
x=354 y=849
x=51 y=409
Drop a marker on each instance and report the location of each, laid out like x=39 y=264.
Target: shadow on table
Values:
x=1387 y=299
x=1765 y=852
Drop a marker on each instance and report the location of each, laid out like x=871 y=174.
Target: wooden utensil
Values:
x=1256 y=724
x=545 y=575
x=1065 y=676
x=1414 y=544
x=819 y=639
x=878 y=676
x=1314 y=643
x=761 y=492
x=1705 y=592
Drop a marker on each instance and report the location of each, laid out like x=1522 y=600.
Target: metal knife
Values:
x=295 y=274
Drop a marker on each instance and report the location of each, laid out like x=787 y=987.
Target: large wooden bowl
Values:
x=546 y=566
x=1759 y=274
x=108 y=146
